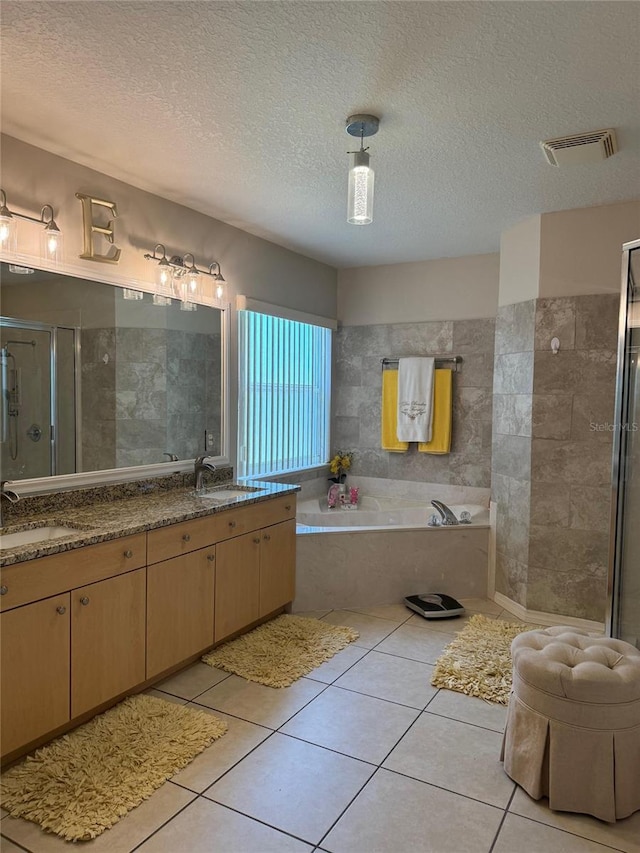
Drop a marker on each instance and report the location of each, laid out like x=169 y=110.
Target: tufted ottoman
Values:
x=573 y=724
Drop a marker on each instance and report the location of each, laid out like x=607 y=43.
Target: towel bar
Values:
x=439 y=359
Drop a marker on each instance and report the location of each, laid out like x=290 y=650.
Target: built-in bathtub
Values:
x=384 y=549
x=378 y=513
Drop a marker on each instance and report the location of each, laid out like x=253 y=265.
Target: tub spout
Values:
x=445 y=513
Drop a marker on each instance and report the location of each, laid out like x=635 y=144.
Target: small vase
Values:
x=342 y=488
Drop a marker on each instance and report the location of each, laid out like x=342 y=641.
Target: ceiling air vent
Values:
x=580 y=148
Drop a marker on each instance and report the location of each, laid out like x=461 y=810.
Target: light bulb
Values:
x=164 y=276
x=7 y=232
x=219 y=290
x=51 y=242
x=192 y=287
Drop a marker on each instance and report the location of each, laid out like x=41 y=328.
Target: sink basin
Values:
x=225 y=493
x=35 y=534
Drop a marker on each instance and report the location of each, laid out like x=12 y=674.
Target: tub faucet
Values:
x=199 y=467
x=9 y=494
x=445 y=513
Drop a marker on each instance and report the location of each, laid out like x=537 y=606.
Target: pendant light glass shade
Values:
x=7 y=231
x=51 y=243
x=164 y=278
x=360 y=199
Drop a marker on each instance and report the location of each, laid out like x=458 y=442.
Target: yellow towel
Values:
x=442 y=414
x=390 y=413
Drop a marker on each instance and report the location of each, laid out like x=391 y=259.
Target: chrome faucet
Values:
x=9 y=494
x=199 y=467
x=445 y=513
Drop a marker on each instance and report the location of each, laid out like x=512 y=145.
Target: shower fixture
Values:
x=50 y=236
x=10 y=386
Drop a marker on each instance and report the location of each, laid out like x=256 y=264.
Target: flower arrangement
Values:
x=339 y=466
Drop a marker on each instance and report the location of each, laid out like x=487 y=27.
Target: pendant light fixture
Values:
x=361 y=175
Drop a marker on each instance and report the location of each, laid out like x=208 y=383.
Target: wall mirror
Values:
x=97 y=378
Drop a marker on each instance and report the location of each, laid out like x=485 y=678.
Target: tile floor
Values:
x=361 y=756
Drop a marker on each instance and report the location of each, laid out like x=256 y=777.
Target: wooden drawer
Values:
x=165 y=543
x=47 y=576
x=245 y=519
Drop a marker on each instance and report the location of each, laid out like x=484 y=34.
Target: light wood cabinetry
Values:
x=255 y=576
x=179 y=609
x=237 y=584
x=108 y=639
x=25 y=582
x=82 y=627
x=277 y=566
x=34 y=651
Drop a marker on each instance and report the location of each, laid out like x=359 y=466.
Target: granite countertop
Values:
x=101 y=521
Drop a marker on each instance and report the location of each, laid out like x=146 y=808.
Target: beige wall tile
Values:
x=589 y=508
x=551 y=416
x=555 y=318
x=568 y=550
x=582 y=595
x=578 y=462
x=597 y=321
x=550 y=504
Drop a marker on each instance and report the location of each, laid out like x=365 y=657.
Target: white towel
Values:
x=415 y=399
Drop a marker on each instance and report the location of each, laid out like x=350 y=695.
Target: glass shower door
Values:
x=624 y=611
x=26 y=415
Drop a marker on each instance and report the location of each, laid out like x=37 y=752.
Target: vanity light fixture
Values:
x=51 y=236
x=361 y=175
x=179 y=278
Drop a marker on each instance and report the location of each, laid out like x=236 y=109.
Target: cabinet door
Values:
x=34 y=644
x=179 y=609
x=237 y=583
x=108 y=639
x=277 y=566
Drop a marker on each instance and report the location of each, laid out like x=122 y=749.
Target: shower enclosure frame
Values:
x=620 y=440
x=12 y=322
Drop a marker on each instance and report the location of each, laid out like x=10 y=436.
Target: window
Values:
x=284 y=394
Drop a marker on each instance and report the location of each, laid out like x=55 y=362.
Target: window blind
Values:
x=284 y=394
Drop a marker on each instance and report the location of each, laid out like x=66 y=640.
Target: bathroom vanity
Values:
x=102 y=615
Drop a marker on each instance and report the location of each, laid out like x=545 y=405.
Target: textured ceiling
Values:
x=237 y=109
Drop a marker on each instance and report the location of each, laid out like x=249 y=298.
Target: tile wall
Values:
x=146 y=392
x=357 y=399
x=511 y=456
x=551 y=461
x=572 y=438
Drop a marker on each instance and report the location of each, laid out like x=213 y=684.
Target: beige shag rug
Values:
x=84 y=782
x=282 y=650
x=478 y=661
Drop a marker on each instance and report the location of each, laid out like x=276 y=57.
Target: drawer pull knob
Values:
x=4 y=590
x=266 y=537
x=186 y=537
x=84 y=600
x=232 y=524
x=287 y=507
x=211 y=557
x=61 y=610
x=128 y=553
x=257 y=540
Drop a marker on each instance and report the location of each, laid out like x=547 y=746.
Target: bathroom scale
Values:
x=434 y=605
